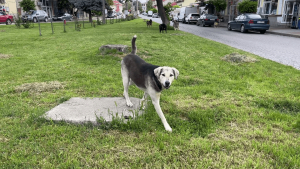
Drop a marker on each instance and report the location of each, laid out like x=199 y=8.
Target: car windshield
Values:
x=195 y=15
x=254 y=16
x=31 y=12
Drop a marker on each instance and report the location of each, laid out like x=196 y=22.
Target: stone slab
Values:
x=82 y=110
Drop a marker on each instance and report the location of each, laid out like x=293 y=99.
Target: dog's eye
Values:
x=163 y=74
x=171 y=75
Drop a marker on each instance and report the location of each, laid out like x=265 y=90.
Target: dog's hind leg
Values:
x=155 y=101
x=126 y=83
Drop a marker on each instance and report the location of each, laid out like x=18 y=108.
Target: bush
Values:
x=247 y=6
x=28 y=24
x=18 y=21
x=154 y=10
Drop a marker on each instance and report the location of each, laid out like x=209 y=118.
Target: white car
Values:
x=192 y=18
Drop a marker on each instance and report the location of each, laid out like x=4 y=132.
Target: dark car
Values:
x=63 y=16
x=248 y=21
x=207 y=19
x=5 y=18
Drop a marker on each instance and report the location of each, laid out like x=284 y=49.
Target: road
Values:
x=281 y=49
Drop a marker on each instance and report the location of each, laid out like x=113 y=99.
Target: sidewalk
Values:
x=279 y=31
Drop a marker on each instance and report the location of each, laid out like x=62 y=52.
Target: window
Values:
x=270 y=7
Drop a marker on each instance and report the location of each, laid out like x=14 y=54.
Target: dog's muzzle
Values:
x=167 y=84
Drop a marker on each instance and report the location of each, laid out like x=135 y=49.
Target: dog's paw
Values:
x=129 y=104
x=168 y=128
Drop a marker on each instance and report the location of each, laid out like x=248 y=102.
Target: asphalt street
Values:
x=282 y=49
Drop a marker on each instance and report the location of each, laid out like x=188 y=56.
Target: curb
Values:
x=283 y=34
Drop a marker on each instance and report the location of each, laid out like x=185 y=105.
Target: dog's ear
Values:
x=176 y=72
x=158 y=71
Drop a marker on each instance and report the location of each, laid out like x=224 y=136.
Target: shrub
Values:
x=247 y=6
x=28 y=24
x=18 y=21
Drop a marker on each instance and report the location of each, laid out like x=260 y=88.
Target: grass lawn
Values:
x=223 y=115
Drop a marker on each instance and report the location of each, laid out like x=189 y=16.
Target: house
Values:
x=9 y=6
x=280 y=12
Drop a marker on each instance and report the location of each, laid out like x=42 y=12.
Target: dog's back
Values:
x=150 y=22
x=162 y=28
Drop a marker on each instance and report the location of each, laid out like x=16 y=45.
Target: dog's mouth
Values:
x=167 y=87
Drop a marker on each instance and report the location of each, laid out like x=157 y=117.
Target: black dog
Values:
x=149 y=23
x=162 y=27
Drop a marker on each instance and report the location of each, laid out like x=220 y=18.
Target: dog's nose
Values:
x=167 y=83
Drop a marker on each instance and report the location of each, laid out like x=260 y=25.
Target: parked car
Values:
x=192 y=18
x=63 y=16
x=5 y=18
x=207 y=19
x=34 y=15
x=184 y=12
x=155 y=15
x=249 y=21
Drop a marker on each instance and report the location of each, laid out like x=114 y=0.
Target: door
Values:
x=233 y=24
x=240 y=21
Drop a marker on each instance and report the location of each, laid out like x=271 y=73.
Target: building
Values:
x=144 y=6
x=9 y=6
x=280 y=12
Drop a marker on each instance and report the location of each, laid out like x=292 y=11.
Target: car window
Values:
x=254 y=16
x=1 y=13
x=195 y=15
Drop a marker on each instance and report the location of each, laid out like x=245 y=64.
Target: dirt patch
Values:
x=4 y=56
x=2 y=30
x=238 y=58
x=39 y=87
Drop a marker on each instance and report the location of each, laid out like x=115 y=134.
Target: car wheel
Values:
x=70 y=19
x=262 y=32
x=8 y=22
x=189 y=22
x=197 y=23
x=243 y=29
x=34 y=20
x=46 y=19
x=229 y=27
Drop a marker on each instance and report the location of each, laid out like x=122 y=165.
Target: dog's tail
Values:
x=134 y=48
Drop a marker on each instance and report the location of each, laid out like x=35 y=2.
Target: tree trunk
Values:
x=103 y=11
x=162 y=12
x=90 y=16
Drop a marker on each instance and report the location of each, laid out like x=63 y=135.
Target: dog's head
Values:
x=166 y=75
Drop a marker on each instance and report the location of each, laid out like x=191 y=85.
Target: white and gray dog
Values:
x=147 y=77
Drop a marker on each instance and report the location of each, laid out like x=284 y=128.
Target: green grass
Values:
x=223 y=115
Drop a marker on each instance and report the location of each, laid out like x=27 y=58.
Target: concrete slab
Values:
x=82 y=110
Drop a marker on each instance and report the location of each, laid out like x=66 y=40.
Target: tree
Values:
x=149 y=5
x=64 y=4
x=247 y=6
x=127 y=6
x=27 y=5
x=219 y=5
x=176 y=6
x=139 y=7
x=162 y=12
x=153 y=10
x=89 y=5
x=168 y=8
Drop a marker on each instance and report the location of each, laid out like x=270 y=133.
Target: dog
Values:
x=162 y=28
x=176 y=25
x=216 y=24
x=149 y=23
x=150 y=78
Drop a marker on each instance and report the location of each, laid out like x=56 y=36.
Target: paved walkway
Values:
x=82 y=110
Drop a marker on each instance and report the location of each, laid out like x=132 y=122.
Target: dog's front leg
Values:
x=155 y=101
x=142 y=103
